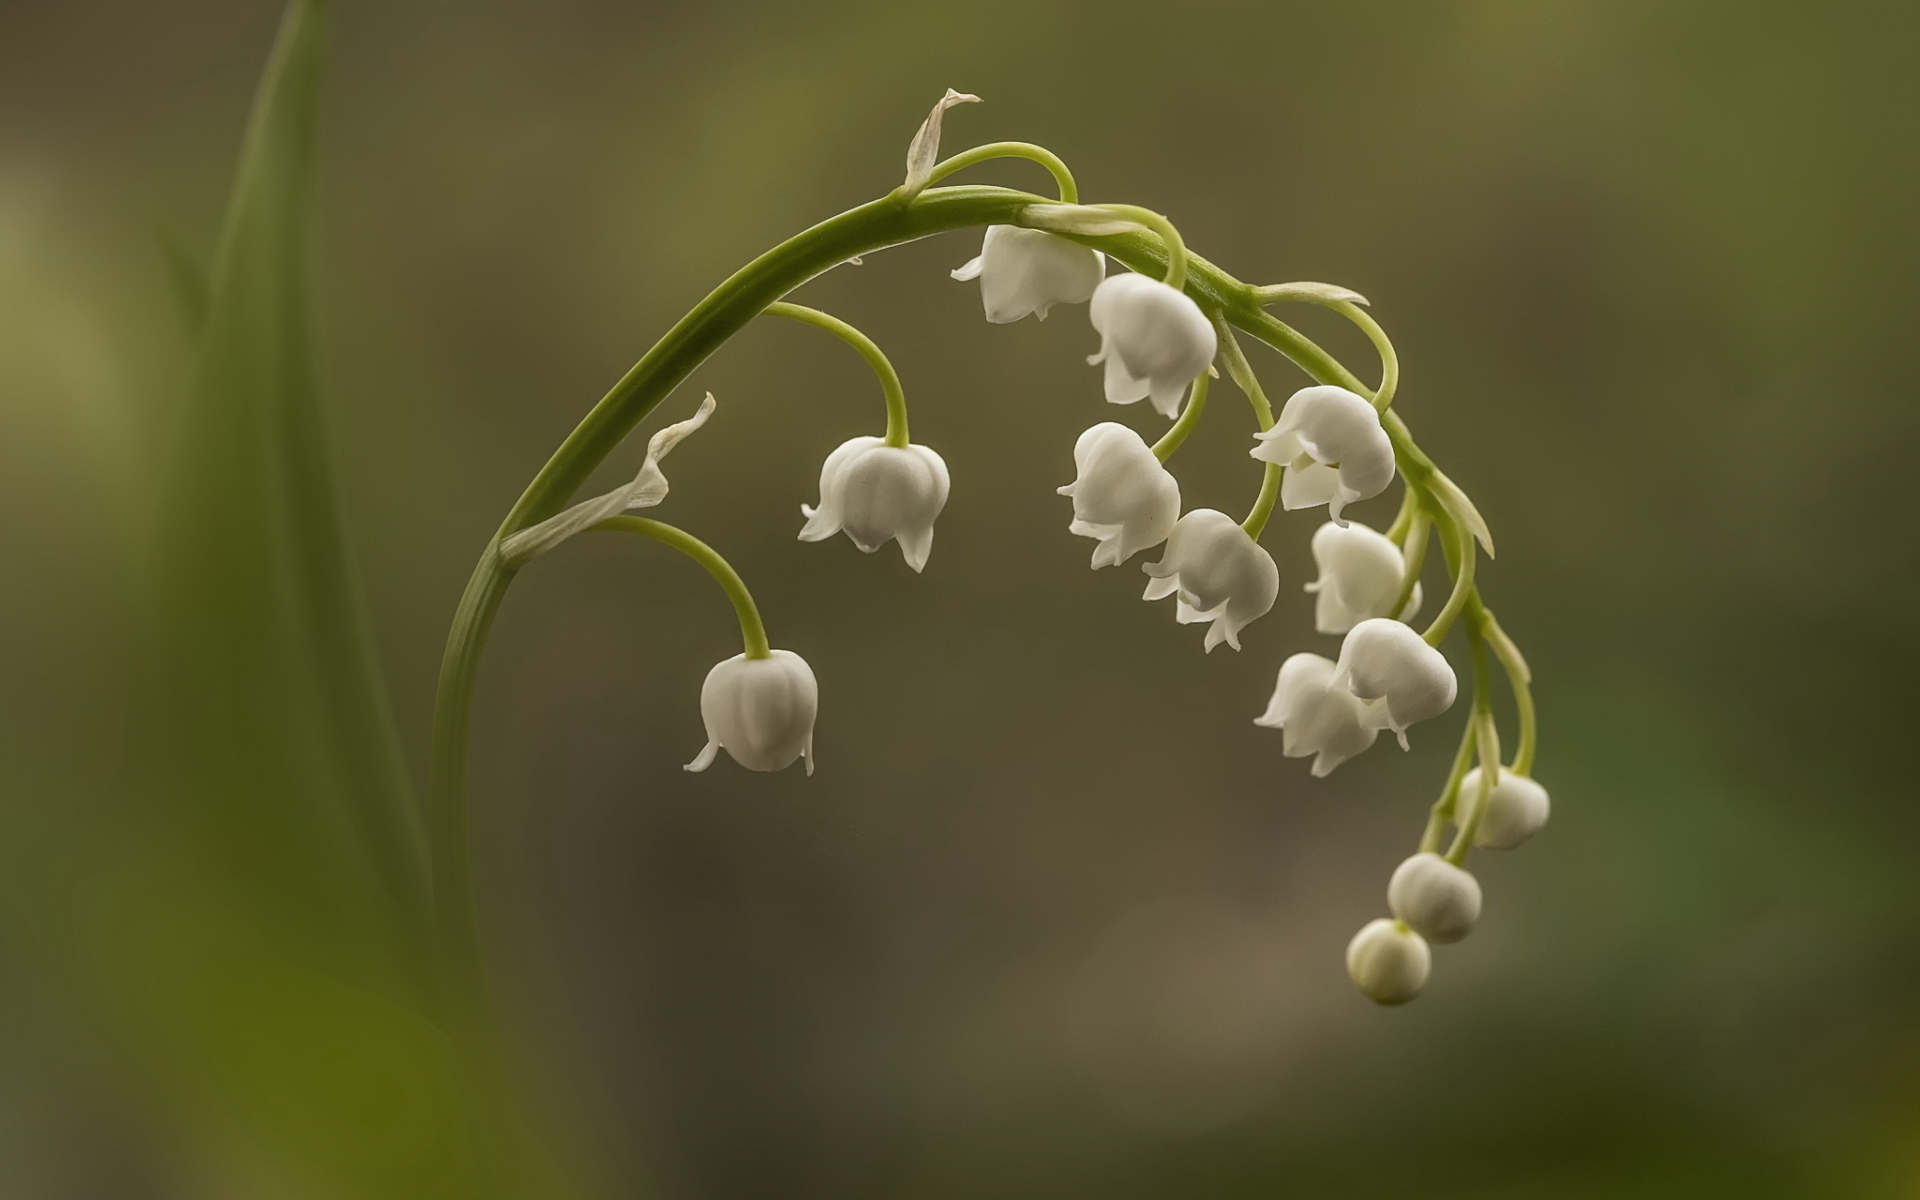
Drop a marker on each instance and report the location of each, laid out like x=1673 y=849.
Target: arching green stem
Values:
x=885 y=222
x=1062 y=178
x=1487 y=740
x=1189 y=417
x=889 y=378
x=753 y=634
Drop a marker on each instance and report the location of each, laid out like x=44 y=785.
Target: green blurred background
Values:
x=1054 y=918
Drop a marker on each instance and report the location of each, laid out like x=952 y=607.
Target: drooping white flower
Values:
x=1153 y=338
x=875 y=492
x=760 y=710
x=1516 y=809
x=1316 y=718
x=1025 y=271
x=1219 y=574
x=1439 y=900
x=1405 y=680
x=1388 y=961
x=1361 y=573
x=1334 y=449
x=1123 y=496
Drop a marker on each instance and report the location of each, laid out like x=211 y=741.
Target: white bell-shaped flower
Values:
x=875 y=492
x=1516 y=809
x=760 y=710
x=1388 y=961
x=1439 y=900
x=1025 y=271
x=1404 y=680
x=1219 y=574
x=1153 y=338
x=1361 y=573
x=1316 y=718
x=1123 y=497
x=1332 y=444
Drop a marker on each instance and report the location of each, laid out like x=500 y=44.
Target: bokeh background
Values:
x=1054 y=918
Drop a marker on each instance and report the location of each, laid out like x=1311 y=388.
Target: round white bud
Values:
x=1438 y=899
x=1388 y=961
x=1515 y=811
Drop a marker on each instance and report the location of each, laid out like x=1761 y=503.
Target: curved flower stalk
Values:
x=875 y=490
x=1162 y=320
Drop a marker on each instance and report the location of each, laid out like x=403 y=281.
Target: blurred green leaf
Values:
x=269 y=676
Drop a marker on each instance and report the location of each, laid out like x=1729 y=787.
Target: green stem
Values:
x=1488 y=744
x=1256 y=522
x=889 y=378
x=1063 y=178
x=753 y=634
x=888 y=221
x=1176 y=276
x=1415 y=552
x=1243 y=377
x=1519 y=677
x=1189 y=417
x=1389 y=361
x=1442 y=810
x=1458 y=544
x=1403 y=519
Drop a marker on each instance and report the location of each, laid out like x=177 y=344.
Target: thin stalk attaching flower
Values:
x=1189 y=418
x=1487 y=741
x=1062 y=177
x=1418 y=533
x=1443 y=808
x=753 y=632
x=876 y=358
x=1241 y=372
x=1351 y=305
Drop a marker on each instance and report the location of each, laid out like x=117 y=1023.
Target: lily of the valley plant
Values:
x=1163 y=319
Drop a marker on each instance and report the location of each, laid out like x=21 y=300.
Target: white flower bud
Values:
x=1439 y=900
x=1219 y=574
x=1361 y=573
x=760 y=710
x=1123 y=496
x=1153 y=338
x=1025 y=271
x=1388 y=961
x=1334 y=449
x=1515 y=811
x=876 y=492
x=1326 y=722
x=1386 y=662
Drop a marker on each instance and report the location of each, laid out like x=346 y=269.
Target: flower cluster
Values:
x=1332 y=444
